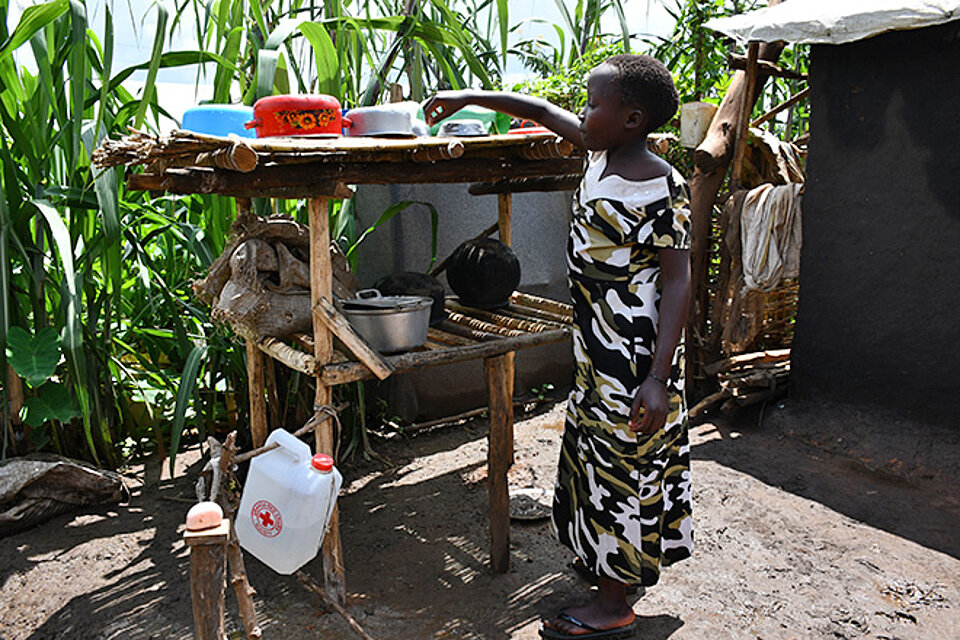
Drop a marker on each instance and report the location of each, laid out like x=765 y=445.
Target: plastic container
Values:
x=695 y=119
x=218 y=120
x=493 y=121
x=286 y=504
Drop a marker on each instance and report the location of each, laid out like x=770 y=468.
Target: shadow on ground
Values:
x=874 y=467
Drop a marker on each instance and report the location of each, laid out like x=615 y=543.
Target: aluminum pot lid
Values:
x=373 y=300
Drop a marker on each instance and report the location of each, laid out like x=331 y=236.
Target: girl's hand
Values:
x=444 y=104
x=652 y=398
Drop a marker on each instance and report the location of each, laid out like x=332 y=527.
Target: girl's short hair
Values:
x=645 y=82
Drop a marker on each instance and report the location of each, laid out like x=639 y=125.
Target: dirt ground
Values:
x=810 y=523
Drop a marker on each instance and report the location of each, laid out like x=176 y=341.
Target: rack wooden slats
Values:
x=447 y=342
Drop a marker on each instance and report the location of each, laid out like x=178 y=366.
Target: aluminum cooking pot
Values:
x=297 y=115
x=385 y=120
x=462 y=129
x=389 y=323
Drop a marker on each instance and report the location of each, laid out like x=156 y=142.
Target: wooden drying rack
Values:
x=319 y=169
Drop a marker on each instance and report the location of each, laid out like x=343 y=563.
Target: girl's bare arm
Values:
x=674 y=302
x=561 y=121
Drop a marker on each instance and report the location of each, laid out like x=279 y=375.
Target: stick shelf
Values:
x=466 y=334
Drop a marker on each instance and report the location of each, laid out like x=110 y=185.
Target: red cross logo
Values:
x=266 y=519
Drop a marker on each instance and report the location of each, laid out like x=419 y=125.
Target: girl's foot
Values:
x=597 y=613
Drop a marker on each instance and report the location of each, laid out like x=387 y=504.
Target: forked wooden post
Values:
x=255 y=365
x=504 y=224
x=498 y=374
x=208 y=579
x=746 y=107
x=321 y=286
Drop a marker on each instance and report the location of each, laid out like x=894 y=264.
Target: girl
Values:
x=622 y=501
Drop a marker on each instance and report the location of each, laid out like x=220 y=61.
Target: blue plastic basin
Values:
x=219 y=120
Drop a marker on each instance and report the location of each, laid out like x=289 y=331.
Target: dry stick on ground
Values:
x=711 y=160
x=746 y=379
x=311 y=585
x=772 y=355
x=466 y=415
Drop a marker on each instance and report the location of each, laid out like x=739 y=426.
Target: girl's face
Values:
x=603 y=120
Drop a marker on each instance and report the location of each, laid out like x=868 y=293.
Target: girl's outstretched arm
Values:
x=561 y=121
x=674 y=301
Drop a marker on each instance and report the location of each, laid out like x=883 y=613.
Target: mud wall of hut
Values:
x=880 y=275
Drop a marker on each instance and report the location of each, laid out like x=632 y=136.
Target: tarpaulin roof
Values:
x=835 y=21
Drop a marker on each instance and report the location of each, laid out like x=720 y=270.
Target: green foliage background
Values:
x=102 y=336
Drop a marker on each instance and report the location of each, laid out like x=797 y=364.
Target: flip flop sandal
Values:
x=593 y=633
x=585 y=574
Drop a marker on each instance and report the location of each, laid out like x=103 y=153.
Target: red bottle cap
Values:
x=322 y=462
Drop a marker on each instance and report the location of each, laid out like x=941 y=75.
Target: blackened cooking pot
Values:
x=483 y=272
x=411 y=283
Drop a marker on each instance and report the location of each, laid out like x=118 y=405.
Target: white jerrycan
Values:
x=286 y=504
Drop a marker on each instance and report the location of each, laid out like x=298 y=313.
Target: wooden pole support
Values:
x=256 y=389
x=498 y=460
x=321 y=287
x=504 y=227
x=208 y=579
x=743 y=122
x=711 y=160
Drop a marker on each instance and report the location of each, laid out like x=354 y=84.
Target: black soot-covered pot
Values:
x=410 y=283
x=483 y=272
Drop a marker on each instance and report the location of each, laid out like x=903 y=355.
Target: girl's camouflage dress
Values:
x=622 y=501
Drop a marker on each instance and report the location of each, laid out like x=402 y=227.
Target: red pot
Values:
x=296 y=115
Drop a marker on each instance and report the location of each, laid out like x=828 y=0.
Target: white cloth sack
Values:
x=770 y=235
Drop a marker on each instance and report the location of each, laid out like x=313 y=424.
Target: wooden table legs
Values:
x=504 y=230
x=321 y=279
x=499 y=374
x=256 y=384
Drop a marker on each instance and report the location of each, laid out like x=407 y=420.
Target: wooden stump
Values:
x=208 y=579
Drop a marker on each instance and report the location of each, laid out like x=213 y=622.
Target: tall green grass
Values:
x=96 y=316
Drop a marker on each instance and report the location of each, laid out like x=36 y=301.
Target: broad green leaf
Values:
x=154 y=65
x=34 y=358
x=325 y=55
x=392 y=211
x=624 y=27
x=61 y=238
x=503 y=16
x=266 y=71
x=188 y=382
x=52 y=402
x=32 y=20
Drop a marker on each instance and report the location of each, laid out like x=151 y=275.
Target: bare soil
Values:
x=810 y=523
